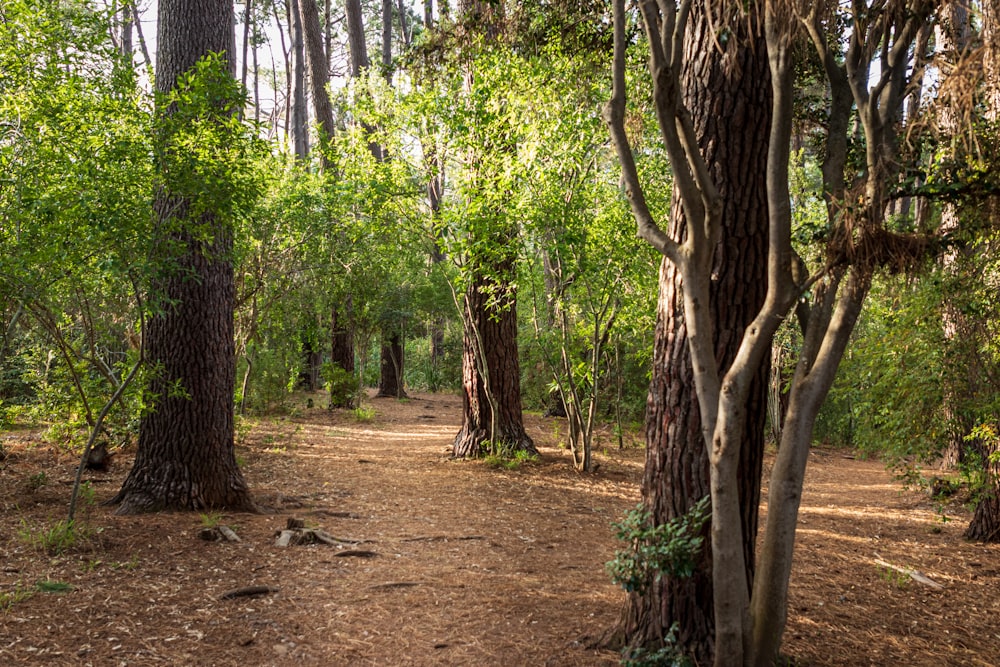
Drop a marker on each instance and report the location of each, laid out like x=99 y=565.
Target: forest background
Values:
x=469 y=160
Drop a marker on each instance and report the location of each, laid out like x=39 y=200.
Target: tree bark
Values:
x=491 y=372
x=985 y=524
x=729 y=98
x=185 y=458
x=391 y=369
x=356 y=37
x=342 y=335
x=300 y=115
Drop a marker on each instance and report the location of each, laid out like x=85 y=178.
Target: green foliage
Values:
x=11 y=598
x=54 y=540
x=668 y=655
x=363 y=414
x=48 y=586
x=508 y=460
x=671 y=548
x=894 y=578
x=37 y=481
x=342 y=385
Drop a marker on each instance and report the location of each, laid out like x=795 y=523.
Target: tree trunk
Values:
x=730 y=104
x=356 y=37
x=342 y=337
x=491 y=373
x=391 y=370
x=185 y=458
x=300 y=115
x=985 y=524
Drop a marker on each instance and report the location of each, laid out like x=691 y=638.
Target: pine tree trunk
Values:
x=730 y=105
x=985 y=524
x=185 y=458
x=491 y=373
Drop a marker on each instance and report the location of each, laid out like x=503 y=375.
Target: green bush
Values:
x=342 y=385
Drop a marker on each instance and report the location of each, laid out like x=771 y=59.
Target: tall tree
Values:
x=300 y=112
x=185 y=458
x=749 y=624
x=985 y=524
x=728 y=95
x=342 y=335
x=491 y=372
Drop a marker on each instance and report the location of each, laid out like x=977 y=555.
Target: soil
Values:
x=454 y=562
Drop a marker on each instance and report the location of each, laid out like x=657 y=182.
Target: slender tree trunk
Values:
x=142 y=39
x=128 y=26
x=356 y=37
x=730 y=103
x=185 y=458
x=300 y=114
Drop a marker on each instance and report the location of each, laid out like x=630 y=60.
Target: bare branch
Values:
x=614 y=116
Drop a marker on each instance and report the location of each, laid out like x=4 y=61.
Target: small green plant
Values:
x=87 y=494
x=668 y=655
x=671 y=548
x=509 y=461
x=900 y=580
x=210 y=519
x=9 y=599
x=37 y=481
x=130 y=564
x=49 y=586
x=54 y=540
x=363 y=414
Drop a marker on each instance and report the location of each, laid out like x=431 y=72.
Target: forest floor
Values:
x=454 y=563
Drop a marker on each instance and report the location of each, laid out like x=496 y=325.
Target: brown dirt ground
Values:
x=474 y=565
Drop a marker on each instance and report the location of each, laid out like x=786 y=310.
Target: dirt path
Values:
x=471 y=566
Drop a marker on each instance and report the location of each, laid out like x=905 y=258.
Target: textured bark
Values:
x=985 y=524
x=300 y=113
x=491 y=372
x=185 y=458
x=356 y=37
x=730 y=106
x=391 y=370
x=342 y=337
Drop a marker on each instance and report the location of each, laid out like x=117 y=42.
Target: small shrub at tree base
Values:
x=509 y=461
x=671 y=548
x=342 y=385
x=668 y=655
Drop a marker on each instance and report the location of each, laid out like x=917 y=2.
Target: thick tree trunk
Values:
x=185 y=458
x=730 y=103
x=391 y=370
x=491 y=373
x=985 y=524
